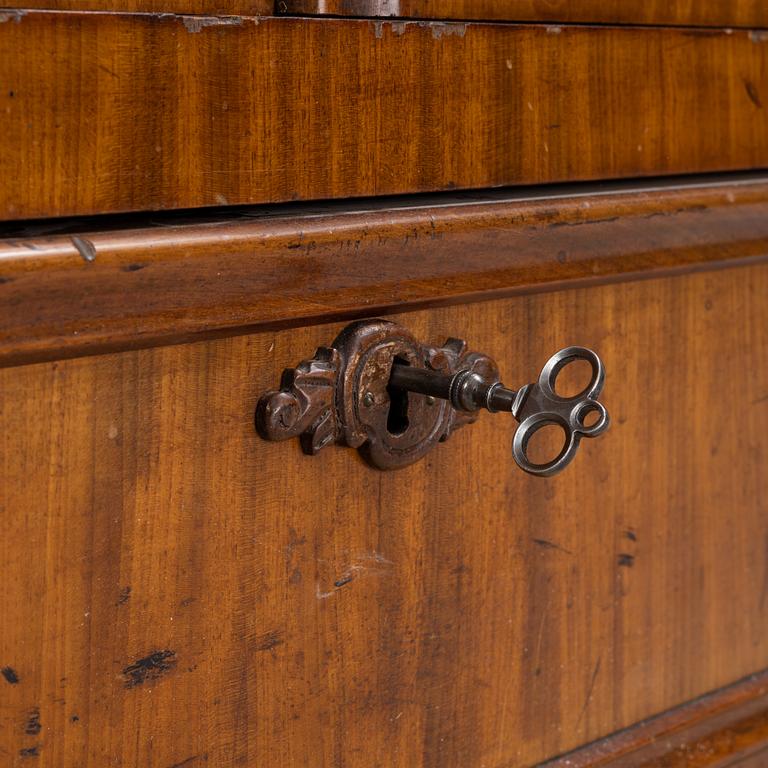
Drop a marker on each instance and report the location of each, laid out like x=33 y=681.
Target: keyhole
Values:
x=397 y=418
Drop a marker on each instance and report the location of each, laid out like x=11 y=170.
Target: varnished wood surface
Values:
x=114 y=112
x=728 y=727
x=208 y=7
x=88 y=290
x=717 y=13
x=177 y=591
x=711 y=13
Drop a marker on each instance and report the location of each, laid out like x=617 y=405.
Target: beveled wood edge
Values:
x=720 y=729
x=752 y=14
x=98 y=291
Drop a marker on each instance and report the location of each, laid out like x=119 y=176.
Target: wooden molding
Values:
x=96 y=288
x=728 y=727
x=705 y=13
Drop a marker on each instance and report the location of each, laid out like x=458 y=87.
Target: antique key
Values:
x=356 y=392
x=533 y=405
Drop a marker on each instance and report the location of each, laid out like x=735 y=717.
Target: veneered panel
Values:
x=108 y=112
x=177 y=591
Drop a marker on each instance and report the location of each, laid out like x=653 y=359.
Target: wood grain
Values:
x=709 y=13
x=89 y=291
x=177 y=591
x=208 y=7
x=108 y=112
x=714 y=13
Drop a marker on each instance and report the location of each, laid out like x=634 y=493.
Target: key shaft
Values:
x=466 y=390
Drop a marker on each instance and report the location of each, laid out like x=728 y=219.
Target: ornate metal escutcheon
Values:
x=380 y=390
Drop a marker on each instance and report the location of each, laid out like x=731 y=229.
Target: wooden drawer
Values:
x=178 y=591
x=196 y=194
x=173 y=111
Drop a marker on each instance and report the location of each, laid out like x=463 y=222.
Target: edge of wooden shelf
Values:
x=97 y=289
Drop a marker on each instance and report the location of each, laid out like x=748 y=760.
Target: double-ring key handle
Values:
x=533 y=405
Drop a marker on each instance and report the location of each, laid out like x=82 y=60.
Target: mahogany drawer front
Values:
x=170 y=111
x=178 y=591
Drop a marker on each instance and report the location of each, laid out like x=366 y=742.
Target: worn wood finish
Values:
x=726 y=728
x=210 y=7
x=69 y=294
x=111 y=112
x=177 y=591
x=708 y=13
x=716 y=13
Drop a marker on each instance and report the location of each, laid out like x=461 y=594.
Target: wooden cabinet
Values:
x=192 y=203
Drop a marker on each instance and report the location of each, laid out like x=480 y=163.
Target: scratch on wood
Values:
x=754 y=96
x=590 y=690
x=149 y=668
x=539 y=639
x=110 y=72
x=268 y=640
x=85 y=248
x=322 y=595
x=196 y=24
x=551 y=545
x=366 y=563
x=189 y=761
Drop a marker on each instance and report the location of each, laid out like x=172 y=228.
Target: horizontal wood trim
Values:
x=727 y=728
x=106 y=112
x=210 y=7
x=717 y=13
x=91 y=291
x=708 y=13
